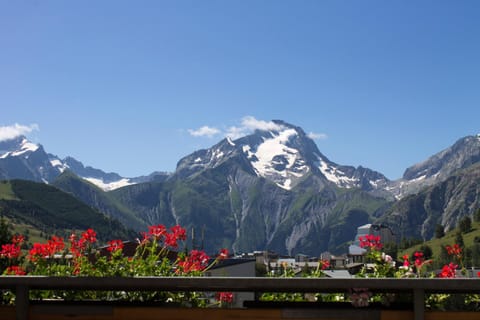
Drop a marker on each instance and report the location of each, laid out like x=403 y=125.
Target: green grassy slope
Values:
x=52 y=211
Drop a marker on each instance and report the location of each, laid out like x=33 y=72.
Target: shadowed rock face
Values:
x=443 y=203
x=464 y=153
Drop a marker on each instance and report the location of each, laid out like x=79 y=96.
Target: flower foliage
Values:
x=379 y=265
x=154 y=255
x=157 y=254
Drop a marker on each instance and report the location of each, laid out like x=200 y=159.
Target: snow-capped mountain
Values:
x=16 y=147
x=270 y=189
x=23 y=159
x=284 y=155
x=437 y=168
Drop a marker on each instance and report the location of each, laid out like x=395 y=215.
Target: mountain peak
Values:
x=461 y=154
x=16 y=147
x=281 y=153
x=285 y=124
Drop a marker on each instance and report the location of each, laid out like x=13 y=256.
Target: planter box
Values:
x=112 y=312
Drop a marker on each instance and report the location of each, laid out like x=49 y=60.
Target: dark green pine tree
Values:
x=476 y=216
x=476 y=254
x=427 y=251
x=5 y=233
x=439 y=231
x=459 y=240
x=443 y=259
x=465 y=224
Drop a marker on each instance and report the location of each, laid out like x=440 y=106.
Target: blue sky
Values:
x=122 y=85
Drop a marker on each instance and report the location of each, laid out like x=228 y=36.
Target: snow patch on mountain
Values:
x=273 y=159
x=110 y=185
x=335 y=175
x=230 y=142
x=25 y=147
x=377 y=183
x=267 y=151
x=57 y=163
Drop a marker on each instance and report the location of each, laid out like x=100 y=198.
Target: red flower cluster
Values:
x=115 y=245
x=324 y=264
x=157 y=240
x=157 y=232
x=89 y=236
x=418 y=258
x=224 y=297
x=14 y=249
x=46 y=250
x=15 y=271
x=406 y=261
x=77 y=247
x=160 y=233
x=223 y=254
x=448 y=271
x=179 y=232
x=370 y=241
x=454 y=250
x=196 y=261
x=10 y=251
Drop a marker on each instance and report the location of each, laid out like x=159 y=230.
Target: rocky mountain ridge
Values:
x=272 y=189
x=23 y=159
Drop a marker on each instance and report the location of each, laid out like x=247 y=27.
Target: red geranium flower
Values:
x=197 y=260
x=448 y=271
x=406 y=261
x=55 y=245
x=15 y=271
x=171 y=240
x=224 y=297
x=89 y=236
x=10 y=251
x=157 y=231
x=179 y=232
x=418 y=258
x=370 y=241
x=39 y=250
x=324 y=264
x=115 y=245
x=18 y=239
x=223 y=254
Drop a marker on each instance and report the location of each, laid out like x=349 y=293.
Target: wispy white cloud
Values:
x=204 y=131
x=251 y=123
x=317 y=136
x=16 y=130
x=248 y=125
x=235 y=132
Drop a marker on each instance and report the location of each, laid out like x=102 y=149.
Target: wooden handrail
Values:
x=260 y=284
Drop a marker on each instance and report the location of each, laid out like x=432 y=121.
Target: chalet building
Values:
x=235 y=268
x=385 y=232
x=356 y=253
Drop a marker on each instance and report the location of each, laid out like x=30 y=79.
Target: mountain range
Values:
x=272 y=189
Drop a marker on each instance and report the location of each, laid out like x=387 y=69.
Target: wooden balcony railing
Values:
x=418 y=286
